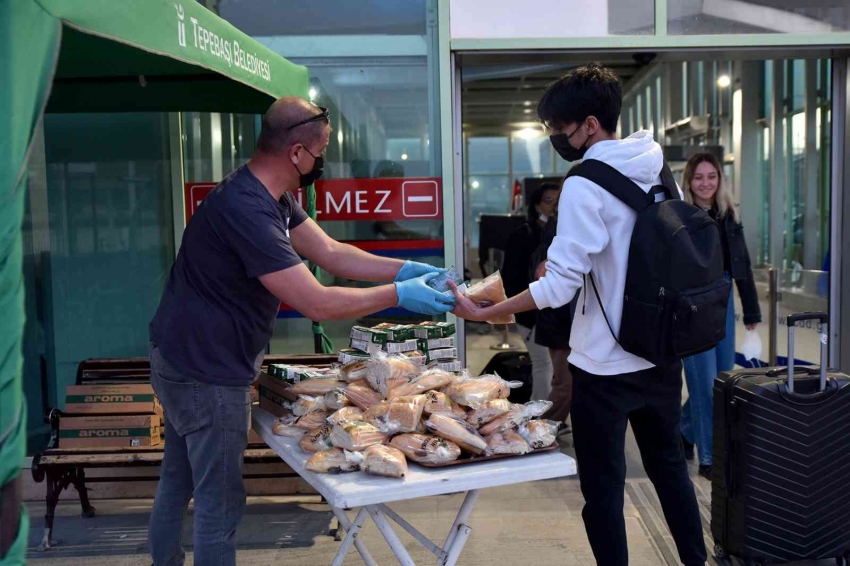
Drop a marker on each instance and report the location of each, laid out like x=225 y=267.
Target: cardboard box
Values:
x=113 y=399
x=110 y=431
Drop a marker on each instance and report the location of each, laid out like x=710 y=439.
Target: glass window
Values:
x=531 y=156
x=488 y=155
x=325 y=17
x=551 y=18
x=686 y=17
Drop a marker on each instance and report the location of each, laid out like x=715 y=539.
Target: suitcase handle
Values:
x=792 y=321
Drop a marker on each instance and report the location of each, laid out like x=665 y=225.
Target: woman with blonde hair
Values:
x=703 y=186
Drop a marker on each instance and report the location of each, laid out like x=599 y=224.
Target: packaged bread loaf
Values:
x=427 y=381
x=362 y=395
x=355 y=371
x=346 y=414
x=317 y=439
x=334 y=461
x=539 y=434
x=316 y=387
x=389 y=372
x=380 y=460
x=487 y=411
x=399 y=415
x=426 y=449
x=356 y=436
x=490 y=290
x=285 y=426
x=312 y=420
x=473 y=391
x=335 y=399
x=507 y=442
x=518 y=415
x=458 y=431
x=306 y=404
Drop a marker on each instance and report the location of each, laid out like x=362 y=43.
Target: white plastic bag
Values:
x=751 y=346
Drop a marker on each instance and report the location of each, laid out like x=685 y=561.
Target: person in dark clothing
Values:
x=552 y=331
x=703 y=186
x=516 y=276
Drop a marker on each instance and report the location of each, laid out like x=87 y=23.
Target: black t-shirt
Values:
x=215 y=317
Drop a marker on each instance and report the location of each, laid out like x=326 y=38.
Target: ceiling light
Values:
x=529 y=133
x=723 y=81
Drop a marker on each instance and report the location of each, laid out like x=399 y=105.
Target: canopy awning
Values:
x=119 y=55
x=105 y=56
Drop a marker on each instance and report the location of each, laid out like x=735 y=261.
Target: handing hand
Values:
x=465 y=307
x=414 y=269
x=415 y=295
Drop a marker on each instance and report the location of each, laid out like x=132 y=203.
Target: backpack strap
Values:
x=614 y=182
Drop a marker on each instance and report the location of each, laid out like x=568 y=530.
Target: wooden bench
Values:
x=62 y=468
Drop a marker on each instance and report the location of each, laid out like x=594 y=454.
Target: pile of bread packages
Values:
x=376 y=412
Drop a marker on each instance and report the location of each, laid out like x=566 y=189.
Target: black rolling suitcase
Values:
x=781 y=468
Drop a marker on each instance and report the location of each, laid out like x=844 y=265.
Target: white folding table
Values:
x=371 y=493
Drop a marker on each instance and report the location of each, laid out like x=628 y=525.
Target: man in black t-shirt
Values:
x=239 y=259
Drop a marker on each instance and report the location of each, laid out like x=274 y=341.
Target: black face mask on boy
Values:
x=561 y=143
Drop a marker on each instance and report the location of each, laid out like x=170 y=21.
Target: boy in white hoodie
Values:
x=611 y=387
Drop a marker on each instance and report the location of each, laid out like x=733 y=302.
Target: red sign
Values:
x=194 y=194
x=377 y=199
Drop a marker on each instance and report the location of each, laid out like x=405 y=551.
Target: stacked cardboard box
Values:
x=111 y=416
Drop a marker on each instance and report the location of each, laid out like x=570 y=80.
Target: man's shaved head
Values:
x=276 y=136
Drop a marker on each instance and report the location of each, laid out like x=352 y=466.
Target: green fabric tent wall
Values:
x=104 y=56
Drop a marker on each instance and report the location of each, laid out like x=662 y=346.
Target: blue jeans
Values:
x=700 y=371
x=206 y=432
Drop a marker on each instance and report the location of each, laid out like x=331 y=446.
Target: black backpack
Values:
x=676 y=292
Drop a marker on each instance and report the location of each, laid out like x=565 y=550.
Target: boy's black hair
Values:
x=592 y=90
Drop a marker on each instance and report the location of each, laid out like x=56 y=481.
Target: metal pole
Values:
x=773 y=314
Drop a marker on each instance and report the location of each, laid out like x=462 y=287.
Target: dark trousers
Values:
x=651 y=401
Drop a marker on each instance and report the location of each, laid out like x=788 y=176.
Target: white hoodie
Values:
x=594 y=233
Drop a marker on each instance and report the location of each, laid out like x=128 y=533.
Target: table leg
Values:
x=462 y=518
x=389 y=535
x=352 y=536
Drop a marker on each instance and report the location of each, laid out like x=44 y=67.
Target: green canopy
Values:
x=104 y=56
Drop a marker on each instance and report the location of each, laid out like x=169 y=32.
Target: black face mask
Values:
x=315 y=174
x=561 y=143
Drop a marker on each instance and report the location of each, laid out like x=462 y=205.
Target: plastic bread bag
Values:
x=507 y=442
x=346 y=414
x=399 y=415
x=490 y=290
x=518 y=415
x=458 y=431
x=426 y=449
x=285 y=426
x=439 y=402
x=539 y=434
x=389 y=372
x=362 y=395
x=335 y=399
x=316 y=387
x=487 y=411
x=355 y=371
x=306 y=404
x=356 y=436
x=312 y=420
x=427 y=381
x=380 y=460
x=334 y=461
x=473 y=391
x=317 y=439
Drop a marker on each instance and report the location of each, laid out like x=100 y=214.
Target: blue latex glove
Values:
x=414 y=269
x=415 y=295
